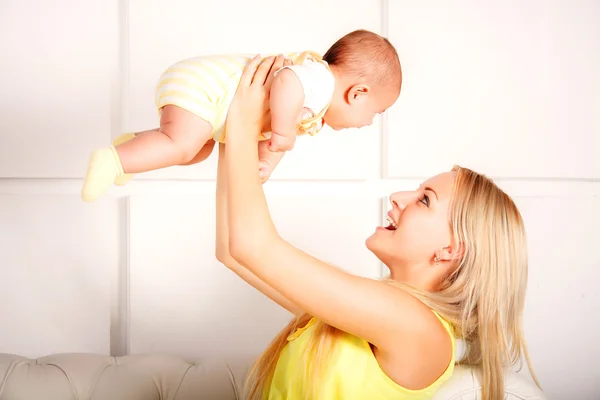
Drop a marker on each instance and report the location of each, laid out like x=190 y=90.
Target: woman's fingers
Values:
x=249 y=72
x=277 y=64
x=262 y=72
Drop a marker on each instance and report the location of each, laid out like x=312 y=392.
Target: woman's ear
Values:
x=450 y=253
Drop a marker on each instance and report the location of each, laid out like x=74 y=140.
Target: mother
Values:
x=456 y=251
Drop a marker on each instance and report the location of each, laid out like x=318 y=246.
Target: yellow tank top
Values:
x=353 y=372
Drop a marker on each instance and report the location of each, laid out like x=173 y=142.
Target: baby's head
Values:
x=368 y=78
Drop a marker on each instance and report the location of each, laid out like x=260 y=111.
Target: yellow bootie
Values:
x=104 y=167
x=123 y=179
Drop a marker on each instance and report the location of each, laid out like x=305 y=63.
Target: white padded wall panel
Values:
x=510 y=88
x=332 y=228
x=161 y=33
x=562 y=319
x=58 y=72
x=182 y=300
x=58 y=260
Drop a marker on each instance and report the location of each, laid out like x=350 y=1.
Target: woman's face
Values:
x=418 y=227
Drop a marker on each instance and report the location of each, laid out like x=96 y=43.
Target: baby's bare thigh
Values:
x=184 y=127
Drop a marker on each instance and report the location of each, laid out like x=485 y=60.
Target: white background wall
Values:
x=508 y=88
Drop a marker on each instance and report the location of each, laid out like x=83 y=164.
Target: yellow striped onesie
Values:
x=206 y=85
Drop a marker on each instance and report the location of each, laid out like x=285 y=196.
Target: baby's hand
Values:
x=265 y=170
x=280 y=142
x=267 y=160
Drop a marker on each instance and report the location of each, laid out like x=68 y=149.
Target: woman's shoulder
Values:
x=426 y=358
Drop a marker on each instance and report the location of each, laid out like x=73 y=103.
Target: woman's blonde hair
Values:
x=483 y=298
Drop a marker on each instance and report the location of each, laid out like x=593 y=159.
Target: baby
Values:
x=357 y=78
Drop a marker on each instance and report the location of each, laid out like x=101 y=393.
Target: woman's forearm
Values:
x=222 y=243
x=250 y=232
x=221 y=229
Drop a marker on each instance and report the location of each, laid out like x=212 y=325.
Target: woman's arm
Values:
x=222 y=243
x=375 y=311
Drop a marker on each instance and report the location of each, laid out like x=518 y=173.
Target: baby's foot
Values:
x=104 y=166
x=123 y=179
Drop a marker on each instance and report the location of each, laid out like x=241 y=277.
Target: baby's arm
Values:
x=286 y=103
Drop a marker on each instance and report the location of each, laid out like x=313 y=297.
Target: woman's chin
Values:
x=369 y=242
x=377 y=233
x=373 y=242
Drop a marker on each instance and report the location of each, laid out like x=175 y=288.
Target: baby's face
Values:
x=358 y=110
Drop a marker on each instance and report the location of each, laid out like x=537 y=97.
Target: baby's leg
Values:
x=180 y=137
x=268 y=160
x=178 y=140
x=202 y=155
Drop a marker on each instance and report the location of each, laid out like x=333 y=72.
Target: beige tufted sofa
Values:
x=164 y=377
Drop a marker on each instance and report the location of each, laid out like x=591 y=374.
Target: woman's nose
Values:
x=401 y=199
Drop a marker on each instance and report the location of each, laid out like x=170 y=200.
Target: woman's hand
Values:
x=249 y=109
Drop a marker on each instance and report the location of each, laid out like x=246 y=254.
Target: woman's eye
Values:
x=425 y=200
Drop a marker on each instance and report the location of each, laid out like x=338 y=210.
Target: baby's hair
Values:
x=368 y=55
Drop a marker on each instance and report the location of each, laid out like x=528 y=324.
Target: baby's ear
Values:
x=358 y=92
